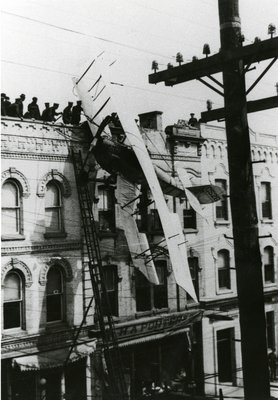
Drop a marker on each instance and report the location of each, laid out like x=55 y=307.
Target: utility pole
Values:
x=234 y=61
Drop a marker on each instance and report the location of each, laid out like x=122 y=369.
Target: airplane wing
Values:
x=137 y=242
x=170 y=221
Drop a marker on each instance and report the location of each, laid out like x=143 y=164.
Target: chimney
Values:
x=151 y=120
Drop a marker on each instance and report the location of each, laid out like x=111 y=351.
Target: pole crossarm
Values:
x=214 y=64
x=252 y=106
x=210 y=86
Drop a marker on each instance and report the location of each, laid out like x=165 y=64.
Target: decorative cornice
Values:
x=12 y=347
x=41 y=248
x=16 y=264
x=29 y=156
x=13 y=173
x=158 y=156
x=57 y=176
x=56 y=261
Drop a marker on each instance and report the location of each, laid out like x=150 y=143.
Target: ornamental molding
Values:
x=16 y=264
x=13 y=173
x=55 y=175
x=41 y=157
x=59 y=261
x=41 y=248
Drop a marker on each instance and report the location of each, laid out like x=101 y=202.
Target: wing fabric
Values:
x=137 y=242
x=170 y=222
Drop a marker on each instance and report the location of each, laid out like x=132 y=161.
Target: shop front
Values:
x=161 y=354
x=46 y=376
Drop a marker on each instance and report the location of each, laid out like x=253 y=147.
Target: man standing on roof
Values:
x=53 y=113
x=67 y=113
x=76 y=113
x=3 y=105
x=46 y=113
x=14 y=109
x=20 y=104
x=34 y=110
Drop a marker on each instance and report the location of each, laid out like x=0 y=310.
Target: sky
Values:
x=47 y=42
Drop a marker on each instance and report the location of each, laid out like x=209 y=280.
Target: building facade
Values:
x=42 y=281
x=167 y=341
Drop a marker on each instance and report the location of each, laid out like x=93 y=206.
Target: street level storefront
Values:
x=160 y=354
x=45 y=376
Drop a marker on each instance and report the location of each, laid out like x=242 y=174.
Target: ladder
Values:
x=115 y=373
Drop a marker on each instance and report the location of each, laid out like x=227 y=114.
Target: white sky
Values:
x=136 y=32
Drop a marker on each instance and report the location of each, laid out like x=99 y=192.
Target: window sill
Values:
x=55 y=325
x=224 y=291
x=270 y=285
x=49 y=235
x=141 y=314
x=221 y=222
x=190 y=230
x=12 y=333
x=267 y=221
x=12 y=237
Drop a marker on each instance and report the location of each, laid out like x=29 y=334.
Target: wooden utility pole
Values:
x=244 y=213
x=234 y=61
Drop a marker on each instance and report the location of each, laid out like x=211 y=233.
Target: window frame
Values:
x=191 y=216
x=269 y=266
x=61 y=229
x=221 y=206
x=224 y=270
x=61 y=294
x=112 y=294
x=267 y=204
x=18 y=235
x=21 y=302
x=107 y=214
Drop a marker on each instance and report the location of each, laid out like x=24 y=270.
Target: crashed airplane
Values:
x=102 y=101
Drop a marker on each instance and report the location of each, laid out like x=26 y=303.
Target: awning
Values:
x=53 y=358
x=150 y=338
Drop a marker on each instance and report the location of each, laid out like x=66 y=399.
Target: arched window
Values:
x=269 y=276
x=11 y=209
x=266 y=200
x=223 y=264
x=13 y=301
x=53 y=208
x=54 y=295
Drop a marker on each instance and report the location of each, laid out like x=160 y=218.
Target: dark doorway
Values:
x=225 y=354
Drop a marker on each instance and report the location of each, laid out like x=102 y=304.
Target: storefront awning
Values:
x=150 y=338
x=53 y=358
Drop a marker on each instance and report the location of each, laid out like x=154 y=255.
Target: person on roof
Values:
x=76 y=113
x=46 y=113
x=33 y=109
x=14 y=109
x=53 y=113
x=20 y=104
x=67 y=113
x=3 y=106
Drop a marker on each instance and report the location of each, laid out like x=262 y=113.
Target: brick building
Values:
x=165 y=337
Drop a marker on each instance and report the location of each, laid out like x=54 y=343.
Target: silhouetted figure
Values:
x=27 y=115
x=76 y=113
x=7 y=103
x=33 y=109
x=46 y=117
x=20 y=104
x=67 y=113
x=14 y=109
x=272 y=364
x=53 y=113
x=192 y=120
x=3 y=105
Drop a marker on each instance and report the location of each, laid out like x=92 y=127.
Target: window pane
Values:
x=268 y=255
x=54 y=281
x=52 y=219
x=143 y=292
x=10 y=221
x=52 y=195
x=222 y=205
x=9 y=195
x=12 y=287
x=266 y=200
x=54 y=308
x=105 y=199
x=12 y=315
